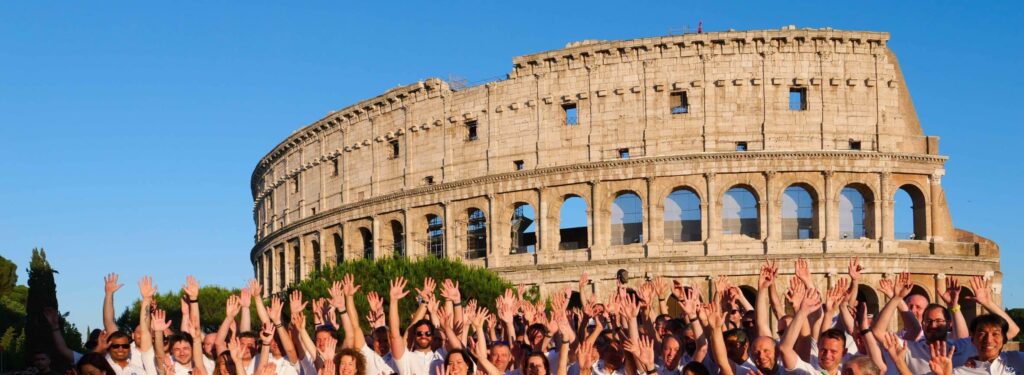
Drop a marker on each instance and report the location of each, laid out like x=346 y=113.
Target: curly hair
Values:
x=355 y=354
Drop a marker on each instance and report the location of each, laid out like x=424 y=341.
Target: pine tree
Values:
x=42 y=293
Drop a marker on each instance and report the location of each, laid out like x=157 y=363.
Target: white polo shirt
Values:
x=420 y=363
x=1005 y=363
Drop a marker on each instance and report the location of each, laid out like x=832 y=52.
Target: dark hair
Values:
x=543 y=356
x=989 y=320
x=228 y=363
x=833 y=333
x=945 y=312
x=118 y=335
x=179 y=337
x=360 y=359
x=739 y=333
x=250 y=335
x=466 y=356
x=96 y=360
x=696 y=367
x=537 y=327
x=423 y=322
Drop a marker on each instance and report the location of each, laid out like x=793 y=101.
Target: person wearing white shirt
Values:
x=988 y=334
x=421 y=359
x=831 y=343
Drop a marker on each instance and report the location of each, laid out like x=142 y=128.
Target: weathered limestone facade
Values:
x=824 y=110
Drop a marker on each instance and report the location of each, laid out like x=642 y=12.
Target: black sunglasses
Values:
x=424 y=334
x=120 y=346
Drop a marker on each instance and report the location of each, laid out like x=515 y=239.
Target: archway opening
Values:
x=799 y=213
x=856 y=212
x=682 y=216
x=476 y=234
x=627 y=217
x=740 y=214
x=524 y=229
x=909 y=219
x=435 y=236
x=572 y=224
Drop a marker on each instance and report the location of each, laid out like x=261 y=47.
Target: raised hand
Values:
x=191 y=288
x=795 y=293
x=836 y=295
x=586 y=355
x=235 y=349
x=450 y=291
x=159 y=322
x=255 y=289
x=428 y=289
x=642 y=350
x=337 y=293
x=887 y=287
x=662 y=287
x=245 y=300
x=584 y=280
x=274 y=312
x=904 y=285
x=348 y=285
x=299 y=319
x=811 y=300
x=803 y=271
x=397 y=290
x=329 y=347
x=951 y=294
x=768 y=273
x=232 y=306
x=714 y=315
x=110 y=285
x=318 y=311
x=295 y=303
x=982 y=290
x=266 y=333
x=942 y=359
x=52 y=317
x=855 y=268
x=146 y=287
x=896 y=349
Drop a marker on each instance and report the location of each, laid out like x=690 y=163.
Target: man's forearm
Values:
x=108 y=313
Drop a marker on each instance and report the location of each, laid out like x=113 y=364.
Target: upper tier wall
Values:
x=737 y=86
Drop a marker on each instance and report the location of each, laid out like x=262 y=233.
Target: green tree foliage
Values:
x=8 y=276
x=374 y=275
x=42 y=293
x=212 y=300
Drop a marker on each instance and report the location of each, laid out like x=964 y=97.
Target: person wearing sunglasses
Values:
x=422 y=359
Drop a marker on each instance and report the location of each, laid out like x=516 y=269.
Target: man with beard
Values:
x=422 y=359
x=988 y=334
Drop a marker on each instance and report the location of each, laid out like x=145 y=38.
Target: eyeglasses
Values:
x=938 y=322
x=120 y=346
x=424 y=333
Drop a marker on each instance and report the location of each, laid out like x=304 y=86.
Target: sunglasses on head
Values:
x=424 y=333
x=120 y=346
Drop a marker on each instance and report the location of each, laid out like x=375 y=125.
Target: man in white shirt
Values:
x=988 y=334
x=119 y=353
x=831 y=343
x=422 y=359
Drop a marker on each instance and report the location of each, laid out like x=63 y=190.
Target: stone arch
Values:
x=750 y=293
x=918 y=289
x=682 y=215
x=339 y=248
x=523 y=228
x=627 y=218
x=867 y=295
x=910 y=213
x=476 y=233
x=435 y=235
x=317 y=257
x=366 y=235
x=968 y=307
x=572 y=223
x=799 y=212
x=741 y=214
x=856 y=212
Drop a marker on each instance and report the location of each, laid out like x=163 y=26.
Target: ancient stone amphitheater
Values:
x=687 y=156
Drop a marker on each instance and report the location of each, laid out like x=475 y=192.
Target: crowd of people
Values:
x=629 y=331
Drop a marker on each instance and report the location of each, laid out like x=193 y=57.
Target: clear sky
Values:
x=129 y=132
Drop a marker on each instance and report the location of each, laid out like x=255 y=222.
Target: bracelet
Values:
x=343 y=311
x=864 y=332
x=955 y=308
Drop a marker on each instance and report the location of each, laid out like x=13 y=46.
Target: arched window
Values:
x=968 y=306
x=572 y=224
x=476 y=234
x=909 y=214
x=316 y=256
x=740 y=214
x=524 y=229
x=282 y=271
x=339 y=249
x=435 y=236
x=627 y=219
x=397 y=238
x=682 y=216
x=856 y=215
x=367 y=242
x=799 y=214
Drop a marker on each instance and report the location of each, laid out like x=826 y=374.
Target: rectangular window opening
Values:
x=334 y=171
x=623 y=153
x=741 y=146
x=854 y=145
x=471 y=131
x=429 y=180
x=570 y=114
x=295 y=182
x=679 y=103
x=797 y=98
x=394 y=149
x=519 y=165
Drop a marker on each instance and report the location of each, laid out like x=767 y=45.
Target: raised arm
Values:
x=198 y=365
x=245 y=302
x=479 y=347
x=297 y=308
x=231 y=308
x=286 y=339
x=897 y=352
x=146 y=290
x=901 y=289
x=717 y=340
x=910 y=324
x=566 y=334
x=854 y=270
x=191 y=290
x=261 y=310
x=951 y=296
x=351 y=313
x=159 y=324
x=110 y=286
x=983 y=295
x=396 y=293
x=451 y=293
x=810 y=302
x=764 y=283
x=53 y=319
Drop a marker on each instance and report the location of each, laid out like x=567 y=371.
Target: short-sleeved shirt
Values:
x=804 y=368
x=415 y=362
x=138 y=364
x=741 y=368
x=1005 y=363
x=376 y=364
x=284 y=366
x=918 y=354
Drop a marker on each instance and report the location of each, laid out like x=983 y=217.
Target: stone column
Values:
x=830 y=230
x=598 y=238
x=712 y=226
x=934 y=199
x=542 y=226
x=887 y=232
x=446 y=225
x=375 y=233
x=493 y=255
x=769 y=221
x=650 y=235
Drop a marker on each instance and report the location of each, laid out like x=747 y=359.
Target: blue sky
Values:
x=130 y=131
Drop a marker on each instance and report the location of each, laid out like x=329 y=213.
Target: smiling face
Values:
x=423 y=337
x=830 y=353
x=935 y=325
x=500 y=356
x=764 y=354
x=670 y=352
x=917 y=303
x=988 y=340
x=457 y=365
x=182 y=352
x=347 y=365
x=119 y=349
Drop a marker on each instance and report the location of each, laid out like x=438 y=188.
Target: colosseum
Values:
x=687 y=156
